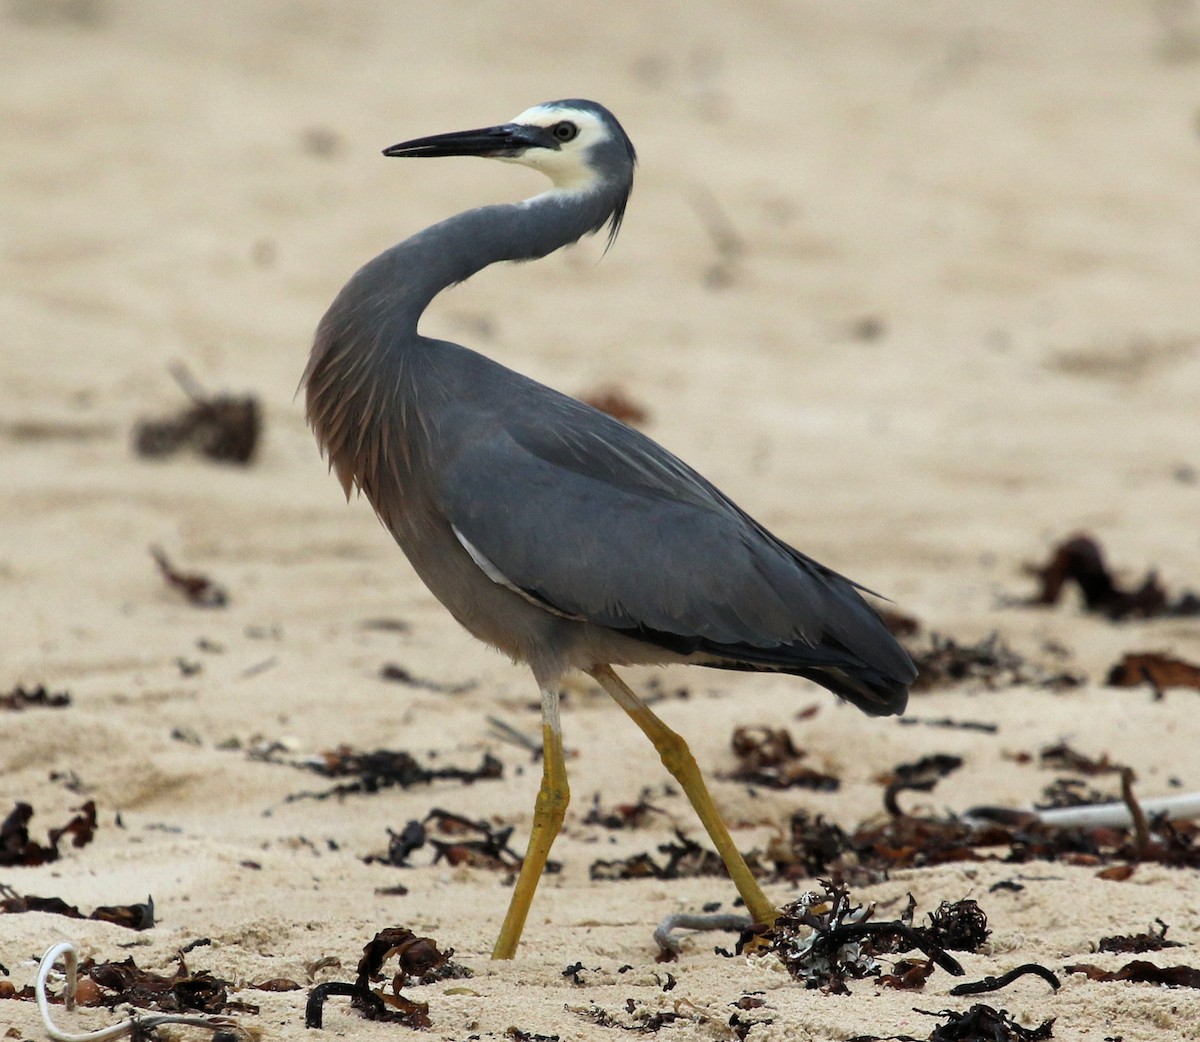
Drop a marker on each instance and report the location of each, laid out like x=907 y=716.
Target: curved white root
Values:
x=139 y=1023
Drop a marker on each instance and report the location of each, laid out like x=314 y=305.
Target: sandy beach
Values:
x=916 y=285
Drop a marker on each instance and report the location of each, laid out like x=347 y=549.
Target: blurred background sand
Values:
x=915 y=284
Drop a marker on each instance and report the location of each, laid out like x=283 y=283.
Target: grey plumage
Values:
x=549 y=529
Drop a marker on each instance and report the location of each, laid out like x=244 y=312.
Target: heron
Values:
x=549 y=529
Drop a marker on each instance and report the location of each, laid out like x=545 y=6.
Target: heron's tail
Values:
x=871 y=690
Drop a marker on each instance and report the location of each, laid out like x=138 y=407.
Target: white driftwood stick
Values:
x=1116 y=815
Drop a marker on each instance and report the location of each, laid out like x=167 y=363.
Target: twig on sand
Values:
x=696 y=921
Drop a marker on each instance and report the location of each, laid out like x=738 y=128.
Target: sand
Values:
x=915 y=284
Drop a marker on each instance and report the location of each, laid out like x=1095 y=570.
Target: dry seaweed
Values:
x=814 y=847
x=1063 y=757
x=277 y=984
x=1003 y=980
x=920 y=776
x=623 y=815
x=1141 y=972
x=184 y=991
x=617 y=404
x=1080 y=560
x=978 y=1024
x=949 y=723
x=768 y=757
x=222 y=427
x=685 y=859
x=16 y=847
x=383 y=769
x=990 y=662
x=133 y=917
x=420 y=961
x=400 y=675
x=1154 y=668
x=899 y=624
x=983 y=1024
x=824 y=940
x=21 y=698
x=960 y=926
x=476 y=844
x=908 y=975
x=196 y=587
x=644 y=1022
x=1150 y=940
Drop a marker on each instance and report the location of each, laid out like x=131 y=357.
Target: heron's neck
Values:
x=453 y=250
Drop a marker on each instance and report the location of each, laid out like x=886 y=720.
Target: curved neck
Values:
x=413 y=272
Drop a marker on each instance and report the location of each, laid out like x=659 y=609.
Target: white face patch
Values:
x=566 y=166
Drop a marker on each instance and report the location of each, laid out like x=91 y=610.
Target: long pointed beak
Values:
x=510 y=139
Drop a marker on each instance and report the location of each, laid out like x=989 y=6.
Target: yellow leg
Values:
x=678 y=759
x=548 y=813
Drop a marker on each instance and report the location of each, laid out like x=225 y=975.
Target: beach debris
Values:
x=183 y=991
x=1150 y=940
x=21 y=698
x=133 y=917
x=401 y=846
x=899 y=624
x=1102 y=836
x=767 y=756
x=16 y=847
x=949 y=723
x=277 y=984
x=223 y=427
x=378 y=770
x=960 y=926
x=944 y=661
x=420 y=961
x=1063 y=757
x=617 y=403
x=399 y=675
x=1107 y=813
x=572 y=973
x=908 y=974
x=197 y=588
x=503 y=731
x=622 y=815
x=1080 y=560
x=1159 y=670
x=516 y=1034
x=825 y=940
x=1003 y=980
x=668 y=944
x=727 y=243
x=982 y=1023
x=476 y=844
x=141 y=992
x=1070 y=792
x=1141 y=972
x=812 y=847
x=642 y=1021
x=685 y=859
x=920 y=776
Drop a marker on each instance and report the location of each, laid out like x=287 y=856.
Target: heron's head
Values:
x=578 y=144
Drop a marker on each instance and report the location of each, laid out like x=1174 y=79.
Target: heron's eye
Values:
x=564 y=131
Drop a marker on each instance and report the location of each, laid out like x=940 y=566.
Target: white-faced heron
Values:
x=547 y=528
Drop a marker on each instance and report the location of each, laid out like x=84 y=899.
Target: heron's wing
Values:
x=596 y=521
